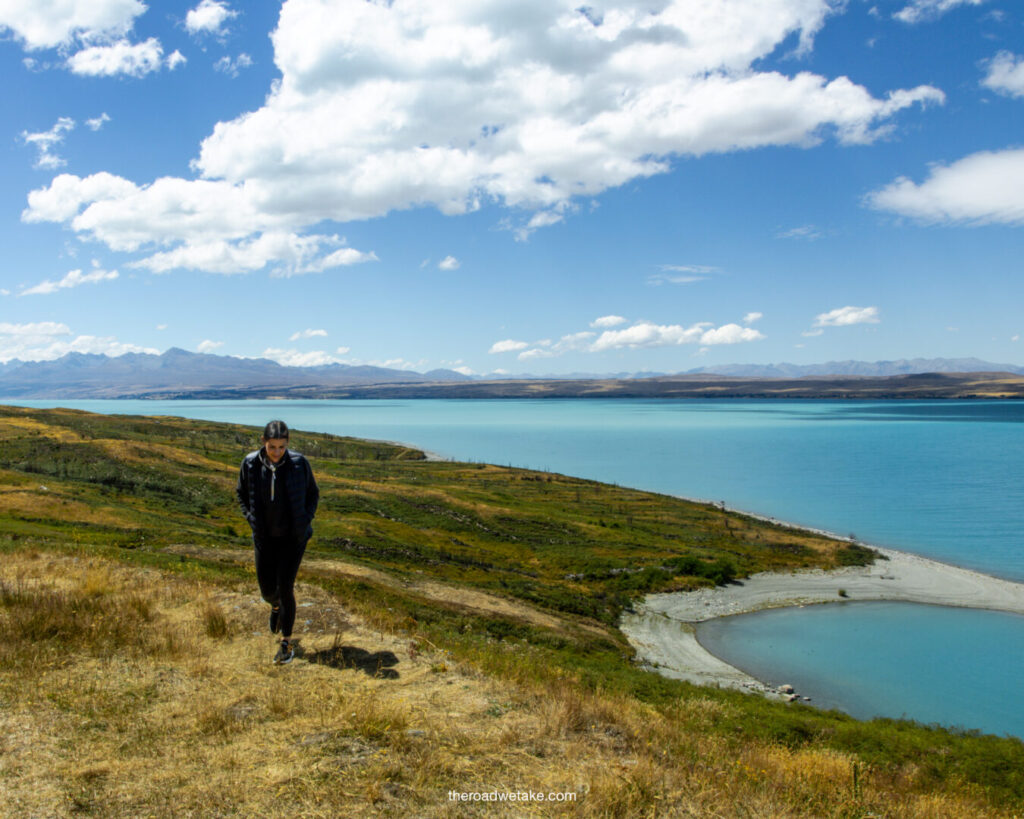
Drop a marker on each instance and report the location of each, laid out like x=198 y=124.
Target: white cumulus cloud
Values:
x=232 y=66
x=508 y=346
x=573 y=341
x=750 y=318
x=541 y=219
x=642 y=334
x=920 y=10
x=448 y=263
x=74 y=278
x=536 y=352
x=208 y=17
x=608 y=321
x=208 y=346
x=299 y=358
x=843 y=316
x=34 y=329
x=96 y=123
x=215 y=226
x=67 y=193
x=648 y=334
x=39 y=24
x=47 y=340
x=96 y=30
x=307 y=334
x=46 y=141
x=1005 y=74
x=122 y=57
x=528 y=104
x=289 y=254
x=730 y=334
x=980 y=189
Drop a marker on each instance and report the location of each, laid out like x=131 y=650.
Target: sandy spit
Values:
x=662 y=627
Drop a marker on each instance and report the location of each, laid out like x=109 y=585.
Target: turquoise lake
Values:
x=942 y=479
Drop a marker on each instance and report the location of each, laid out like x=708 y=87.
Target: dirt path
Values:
x=471 y=599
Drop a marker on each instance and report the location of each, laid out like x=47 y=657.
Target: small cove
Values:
x=885 y=659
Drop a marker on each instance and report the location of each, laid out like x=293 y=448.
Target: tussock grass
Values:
x=46 y=623
x=181 y=722
x=215 y=622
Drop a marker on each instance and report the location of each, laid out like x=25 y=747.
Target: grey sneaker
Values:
x=285 y=653
x=275 y=621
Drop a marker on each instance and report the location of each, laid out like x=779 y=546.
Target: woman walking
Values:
x=278 y=495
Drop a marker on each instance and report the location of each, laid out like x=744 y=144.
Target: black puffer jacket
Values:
x=299 y=483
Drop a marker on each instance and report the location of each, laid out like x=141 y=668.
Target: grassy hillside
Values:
x=567 y=544
x=461 y=636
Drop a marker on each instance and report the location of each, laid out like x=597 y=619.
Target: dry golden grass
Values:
x=41 y=502
x=154 y=695
x=146 y=452
x=15 y=426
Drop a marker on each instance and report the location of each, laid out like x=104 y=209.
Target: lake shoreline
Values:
x=699 y=662
x=662 y=628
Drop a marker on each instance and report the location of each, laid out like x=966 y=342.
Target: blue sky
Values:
x=514 y=185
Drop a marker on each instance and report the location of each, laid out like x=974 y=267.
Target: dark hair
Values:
x=275 y=429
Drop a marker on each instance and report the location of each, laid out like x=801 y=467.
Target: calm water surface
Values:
x=938 y=478
x=850 y=656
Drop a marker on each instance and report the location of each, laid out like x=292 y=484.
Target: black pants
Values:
x=277 y=563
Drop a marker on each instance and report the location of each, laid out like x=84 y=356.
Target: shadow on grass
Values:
x=373 y=664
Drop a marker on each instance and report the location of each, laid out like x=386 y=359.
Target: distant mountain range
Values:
x=876 y=369
x=178 y=373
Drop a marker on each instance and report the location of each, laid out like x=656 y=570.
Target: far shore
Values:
x=662 y=628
